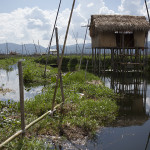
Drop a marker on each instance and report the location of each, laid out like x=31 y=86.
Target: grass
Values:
x=29 y=143
x=34 y=72
x=7 y=62
x=96 y=108
x=88 y=105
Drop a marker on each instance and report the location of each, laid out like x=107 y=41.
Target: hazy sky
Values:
x=22 y=21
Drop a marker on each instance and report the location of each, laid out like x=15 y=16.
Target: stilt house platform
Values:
x=126 y=38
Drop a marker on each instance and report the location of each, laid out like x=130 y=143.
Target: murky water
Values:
x=132 y=128
x=9 y=86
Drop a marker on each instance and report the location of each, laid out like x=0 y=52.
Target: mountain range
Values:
x=33 y=48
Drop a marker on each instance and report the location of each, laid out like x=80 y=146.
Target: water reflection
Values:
x=131 y=129
x=133 y=89
x=9 y=86
x=133 y=102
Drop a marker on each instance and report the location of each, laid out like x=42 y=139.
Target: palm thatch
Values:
x=109 y=23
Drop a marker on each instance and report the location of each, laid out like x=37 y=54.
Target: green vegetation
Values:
x=7 y=62
x=88 y=105
x=29 y=144
x=70 y=63
x=34 y=72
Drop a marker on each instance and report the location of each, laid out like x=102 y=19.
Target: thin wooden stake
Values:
x=60 y=61
x=35 y=47
x=49 y=46
x=147 y=11
x=92 y=60
x=22 y=50
x=7 y=50
x=83 y=47
x=77 y=45
x=57 y=44
x=147 y=141
x=61 y=82
x=86 y=68
x=21 y=97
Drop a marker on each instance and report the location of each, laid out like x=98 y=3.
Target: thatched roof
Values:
x=102 y=23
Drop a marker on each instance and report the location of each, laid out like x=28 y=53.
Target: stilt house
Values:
x=124 y=35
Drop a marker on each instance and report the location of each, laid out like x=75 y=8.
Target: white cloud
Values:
x=105 y=10
x=90 y=5
x=28 y=24
x=132 y=7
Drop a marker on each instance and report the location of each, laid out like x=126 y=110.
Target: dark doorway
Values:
x=124 y=39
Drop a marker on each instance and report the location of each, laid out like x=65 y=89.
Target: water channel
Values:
x=9 y=86
x=131 y=130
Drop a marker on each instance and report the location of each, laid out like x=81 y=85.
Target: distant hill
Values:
x=26 y=49
x=31 y=48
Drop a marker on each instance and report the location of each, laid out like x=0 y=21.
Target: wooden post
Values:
x=39 y=47
x=61 y=82
x=22 y=50
x=49 y=46
x=6 y=48
x=21 y=97
x=83 y=46
x=104 y=61
x=99 y=61
x=57 y=44
x=147 y=11
x=63 y=50
x=112 y=59
x=25 y=49
x=86 y=68
x=92 y=60
x=35 y=47
x=95 y=62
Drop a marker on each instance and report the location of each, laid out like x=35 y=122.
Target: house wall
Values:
x=108 y=39
x=139 y=39
x=104 y=39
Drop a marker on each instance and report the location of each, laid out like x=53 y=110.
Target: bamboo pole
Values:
x=25 y=49
x=61 y=82
x=35 y=47
x=95 y=62
x=83 y=47
x=92 y=60
x=7 y=50
x=104 y=61
x=21 y=87
x=99 y=59
x=60 y=61
x=57 y=44
x=147 y=11
x=86 y=68
x=49 y=46
x=28 y=126
x=77 y=45
x=39 y=47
